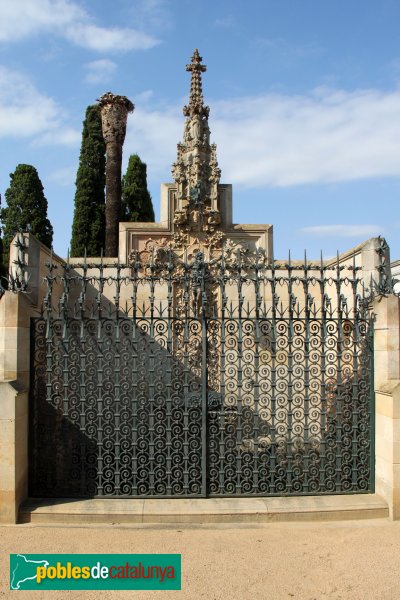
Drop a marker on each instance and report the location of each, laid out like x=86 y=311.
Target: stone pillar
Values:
x=386 y=340
x=27 y=268
x=387 y=398
x=114 y=115
x=375 y=259
x=13 y=449
x=15 y=312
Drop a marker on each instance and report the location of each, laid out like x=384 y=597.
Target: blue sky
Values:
x=304 y=98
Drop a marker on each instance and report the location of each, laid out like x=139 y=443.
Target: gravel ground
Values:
x=355 y=560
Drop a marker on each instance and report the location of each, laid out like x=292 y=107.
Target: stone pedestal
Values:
x=143 y=237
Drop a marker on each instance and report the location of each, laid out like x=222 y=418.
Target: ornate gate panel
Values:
x=187 y=378
x=115 y=411
x=296 y=415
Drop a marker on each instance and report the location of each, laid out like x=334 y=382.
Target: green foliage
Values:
x=136 y=202
x=26 y=209
x=88 y=227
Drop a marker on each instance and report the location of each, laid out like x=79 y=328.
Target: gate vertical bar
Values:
x=371 y=486
x=308 y=302
x=222 y=437
x=204 y=384
x=325 y=306
x=50 y=353
x=289 y=441
x=339 y=380
x=100 y=378
x=356 y=413
x=275 y=301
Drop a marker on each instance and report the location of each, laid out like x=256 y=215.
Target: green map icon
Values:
x=95 y=571
x=23 y=569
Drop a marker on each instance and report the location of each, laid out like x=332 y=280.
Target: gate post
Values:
x=14 y=381
x=13 y=449
x=387 y=398
x=27 y=270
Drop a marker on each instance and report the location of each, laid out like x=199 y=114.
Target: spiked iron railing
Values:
x=173 y=377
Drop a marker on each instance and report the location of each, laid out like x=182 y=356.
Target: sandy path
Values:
x=354 y=560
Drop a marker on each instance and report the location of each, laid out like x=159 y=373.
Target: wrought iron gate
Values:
x=232 y=377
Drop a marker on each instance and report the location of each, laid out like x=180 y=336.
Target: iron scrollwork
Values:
x=126 y=359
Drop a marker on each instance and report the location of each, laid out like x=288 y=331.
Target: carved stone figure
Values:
x=206 y=133
x=195 y=195
x=180 y=217
x=186 y=133
x=196 y=128
x=213 y=218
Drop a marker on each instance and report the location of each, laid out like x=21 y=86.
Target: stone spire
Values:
x=196 y=171
x=196 y=89
x=114 y=114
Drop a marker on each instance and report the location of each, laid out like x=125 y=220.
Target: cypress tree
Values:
x=88 y=224
x=26 y=209
x=136 y=200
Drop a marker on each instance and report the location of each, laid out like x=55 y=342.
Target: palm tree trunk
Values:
x=113 y=197
x=114 y=115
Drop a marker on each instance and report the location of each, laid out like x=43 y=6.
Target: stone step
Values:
x=204 y=510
